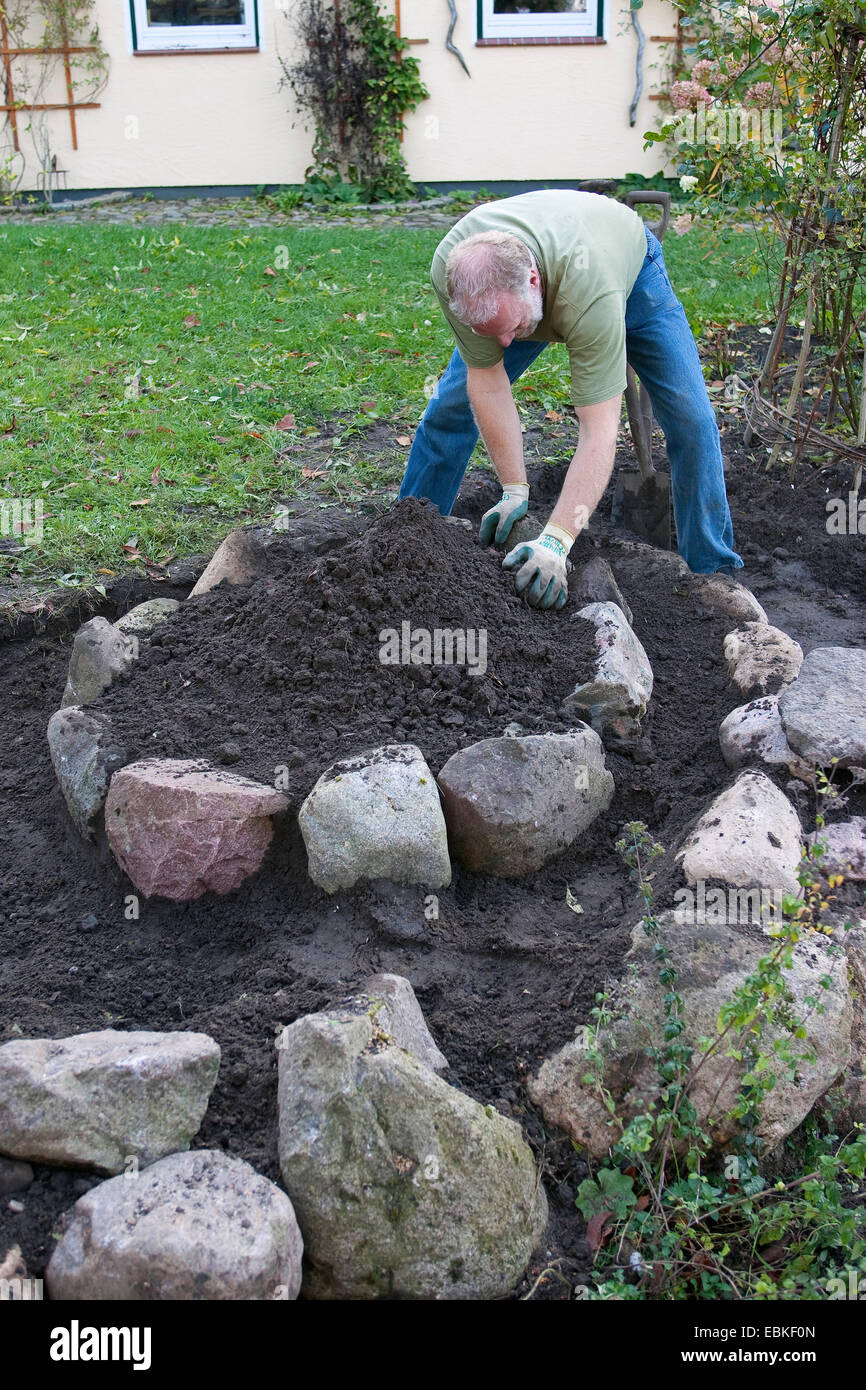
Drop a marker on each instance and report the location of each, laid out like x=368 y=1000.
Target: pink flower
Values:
x=762 y=95
x=688 y=96
x=705 y=71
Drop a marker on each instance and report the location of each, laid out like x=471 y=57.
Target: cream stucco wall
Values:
x=533 y=113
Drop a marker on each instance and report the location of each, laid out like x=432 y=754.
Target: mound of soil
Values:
x=290 y=672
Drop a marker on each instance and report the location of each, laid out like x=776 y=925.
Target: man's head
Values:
x=494 y=286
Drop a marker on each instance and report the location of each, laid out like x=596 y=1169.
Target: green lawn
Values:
x=145 y=373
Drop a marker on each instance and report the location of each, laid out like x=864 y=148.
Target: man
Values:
x=580 y=269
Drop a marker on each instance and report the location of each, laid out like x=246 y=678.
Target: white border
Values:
x=539 y=26
x=161 y=38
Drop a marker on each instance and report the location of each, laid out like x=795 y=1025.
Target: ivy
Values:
x=354 y=81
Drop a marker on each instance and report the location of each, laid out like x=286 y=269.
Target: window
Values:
x=539 y=19
x=161 y=25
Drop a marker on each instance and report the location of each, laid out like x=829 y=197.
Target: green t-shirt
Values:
x=590 y=251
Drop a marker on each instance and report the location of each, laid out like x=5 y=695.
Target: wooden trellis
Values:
x=66 y=49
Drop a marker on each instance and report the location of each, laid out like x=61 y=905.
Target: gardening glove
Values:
x=498 y=521
x=541 y=577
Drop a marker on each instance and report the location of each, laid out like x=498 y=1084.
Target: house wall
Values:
x=526 y=113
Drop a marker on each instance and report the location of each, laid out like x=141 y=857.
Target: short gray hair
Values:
x=481 y=269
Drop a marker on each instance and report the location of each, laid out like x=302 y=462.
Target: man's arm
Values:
x=590 y=469
x=496 y=416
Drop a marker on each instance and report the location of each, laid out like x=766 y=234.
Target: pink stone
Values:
x=180 y=828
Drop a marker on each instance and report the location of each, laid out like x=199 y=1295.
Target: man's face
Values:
x=517 y=317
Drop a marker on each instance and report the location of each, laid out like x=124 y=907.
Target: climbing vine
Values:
x=354 y=81
x=47 y=28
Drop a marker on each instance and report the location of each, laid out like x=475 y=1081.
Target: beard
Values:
x=534 y=304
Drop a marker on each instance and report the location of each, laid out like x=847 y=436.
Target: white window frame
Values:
x=151 y=38
x=539 y=26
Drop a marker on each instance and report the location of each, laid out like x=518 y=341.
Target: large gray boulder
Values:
x=761 y=658
x=84 y=755
x=99 y=1100
x=100 y=652
x=824 y=711
x=512 y=804
x=240 y=559
x=193 y=1226
x=376 y=815
x=404 y=1187
x=750 y=835
x=399 y=1014
x=622 y=684
x=146 y=616
x=754 y=731
x=727 y=596
x=712 y=961
x=595 y=582
x=844 y=847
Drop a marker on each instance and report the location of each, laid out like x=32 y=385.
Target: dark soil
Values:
x=287 y=673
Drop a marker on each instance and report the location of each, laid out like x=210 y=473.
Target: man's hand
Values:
x=541 y=577
x=496 y=523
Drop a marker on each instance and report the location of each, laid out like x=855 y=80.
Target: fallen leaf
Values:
x=286 y=423
x=142 y=502
x=222 y=439
x=252 y=434
x=191 y=321
x=384 y=335
x=595 y=1229
x=554 y=415
x=571 y=901
x=308 y=366
x=313 y=473
x=154 y=477
x=269 y=270
x=368 y=405
x=101 y=571
x=404 y=439
x=133 y=434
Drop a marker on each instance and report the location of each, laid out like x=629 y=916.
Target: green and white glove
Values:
x=498 y=521
x=541 y=577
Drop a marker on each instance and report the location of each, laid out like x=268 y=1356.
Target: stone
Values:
x=376 y=815
x=97 y=1100
x=621 y=688
x=824 y=711
x=99 y=653
x=14 y=1177
x=180 y=828
x=400 y=1016
x=511 y=804
x=145 y=616
x=763 y=658
x=241 y=559
x=712 y=961
x=594 y=582
x=754 y=731
x=853 y=1081
x=84 y=755
x=192 y=1227
x=750 y=837
x=403 y=1186
x=634 y=561
x=728 y=596
x=844 y=848
x=528 y=528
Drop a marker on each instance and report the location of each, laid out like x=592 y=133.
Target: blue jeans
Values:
x=662 y=350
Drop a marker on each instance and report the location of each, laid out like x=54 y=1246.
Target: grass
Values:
x=150 y=378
